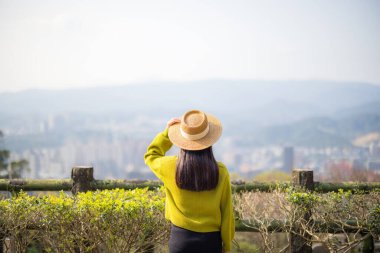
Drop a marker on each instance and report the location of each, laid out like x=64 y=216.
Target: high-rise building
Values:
x=374 y=151
x=288 y=159
x=374 y=166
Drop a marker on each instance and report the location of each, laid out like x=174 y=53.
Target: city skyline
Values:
x=110 y=128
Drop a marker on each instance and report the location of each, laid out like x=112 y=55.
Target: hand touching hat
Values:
x=195 y=131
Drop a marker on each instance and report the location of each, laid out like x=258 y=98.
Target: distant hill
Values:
x=301 y=112
x=372 y=107
x=225 y=97
x=318 y=131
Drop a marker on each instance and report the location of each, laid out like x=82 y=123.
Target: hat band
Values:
x=194 y=137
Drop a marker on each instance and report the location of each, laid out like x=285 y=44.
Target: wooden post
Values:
x=82 y=177
x=368 y=245
x=303 y=178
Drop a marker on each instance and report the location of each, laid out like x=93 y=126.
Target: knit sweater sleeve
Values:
x=228 y=221
x=155 y=154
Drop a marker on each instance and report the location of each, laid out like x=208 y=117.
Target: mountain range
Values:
x=321 y=113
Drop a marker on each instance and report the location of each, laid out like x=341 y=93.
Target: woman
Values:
x=198 y=189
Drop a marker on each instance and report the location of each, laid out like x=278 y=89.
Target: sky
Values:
x=76 y=43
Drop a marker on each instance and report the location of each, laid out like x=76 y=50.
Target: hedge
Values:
x=105 y=221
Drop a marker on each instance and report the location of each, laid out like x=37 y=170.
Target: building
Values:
x=374 y=151
x=374 y=166
x=288 y=159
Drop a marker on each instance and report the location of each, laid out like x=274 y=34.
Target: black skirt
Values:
x=183 y=241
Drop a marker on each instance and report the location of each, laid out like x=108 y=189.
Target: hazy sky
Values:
x=58 y=44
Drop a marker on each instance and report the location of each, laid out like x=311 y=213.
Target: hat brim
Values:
x=213 y=135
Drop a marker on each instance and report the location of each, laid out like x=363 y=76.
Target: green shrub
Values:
x=109 y=221
x=298 y=197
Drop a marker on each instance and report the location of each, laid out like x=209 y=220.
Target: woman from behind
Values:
x=198 y=189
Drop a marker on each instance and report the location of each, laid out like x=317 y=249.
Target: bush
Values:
x=106 y=221
x=313 y=216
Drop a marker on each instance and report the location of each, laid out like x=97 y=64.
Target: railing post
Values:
x=303 y=178
x=82 y=177
x=368 y=245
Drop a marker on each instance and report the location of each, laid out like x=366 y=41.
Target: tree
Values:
x=11 y=169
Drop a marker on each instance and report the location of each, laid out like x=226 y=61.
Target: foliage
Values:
x=313 y=216
x=345 y=211
x=272 y=176
x=374 y=219
x=4 y=156
x=304 y=199
x=107 y=221
x=261 y=210
x=11 y=169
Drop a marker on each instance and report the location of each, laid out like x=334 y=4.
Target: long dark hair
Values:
x=197 y=170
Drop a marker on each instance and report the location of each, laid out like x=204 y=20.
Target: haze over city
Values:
x=92 y=82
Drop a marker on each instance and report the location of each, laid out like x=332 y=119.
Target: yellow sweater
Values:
x=204 y=211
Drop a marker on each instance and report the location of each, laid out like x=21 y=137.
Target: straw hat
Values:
x=196 y=131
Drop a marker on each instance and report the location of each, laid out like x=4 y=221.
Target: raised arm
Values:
x=155 y=154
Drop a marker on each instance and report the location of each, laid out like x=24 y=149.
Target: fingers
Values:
x=173 y=121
